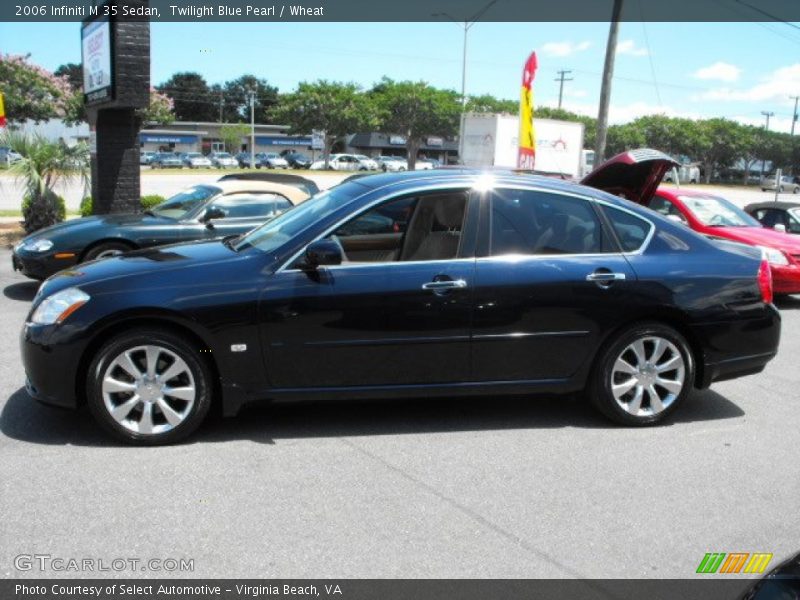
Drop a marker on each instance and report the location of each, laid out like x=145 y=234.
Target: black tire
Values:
x=602 y=375
x=176 y=344
x=106 y=248
x=780 y=190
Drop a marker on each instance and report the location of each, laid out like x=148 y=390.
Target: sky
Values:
x=697 y=70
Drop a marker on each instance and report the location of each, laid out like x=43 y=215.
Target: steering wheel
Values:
x=335 y=239
x=716 y=220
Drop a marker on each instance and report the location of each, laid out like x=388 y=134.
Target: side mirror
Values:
x=213 y=212
x=780 y=227
x=323 y=252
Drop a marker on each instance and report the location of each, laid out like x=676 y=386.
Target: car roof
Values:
x=783 y=205
x=296 y=195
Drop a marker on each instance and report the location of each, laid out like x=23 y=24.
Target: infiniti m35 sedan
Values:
x=434 y=283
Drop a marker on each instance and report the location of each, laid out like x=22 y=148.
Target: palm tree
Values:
x=44 y=164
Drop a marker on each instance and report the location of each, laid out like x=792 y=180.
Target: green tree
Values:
x=416 y=110
x=717 y=144
x=191 y=97
x=236 y=94
x=160 y=110
x=73 y=73
x=44 y=164
x=624 y=137
x=30 y=91
x=332 y=107
x=231 y=135
x=489 y=104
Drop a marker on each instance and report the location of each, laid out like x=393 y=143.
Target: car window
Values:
x=794 y=220
x=183 y=203
x=713 y=211
x=666 y=208
x=412 y=228
x=240 y=206
x=535 y=222
x=632 y=231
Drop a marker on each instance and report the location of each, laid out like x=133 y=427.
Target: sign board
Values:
x=167 y=139
x=286 y=140
x=434 y=141
x=398 y=140
x=317 y=140
x=92 y=141
x=98 y=61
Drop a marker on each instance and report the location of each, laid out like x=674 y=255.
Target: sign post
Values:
x=116 y=83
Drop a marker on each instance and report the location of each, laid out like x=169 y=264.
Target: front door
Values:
x=397 y=312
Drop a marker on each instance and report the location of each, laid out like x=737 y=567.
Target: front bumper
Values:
x=40 y=266
x=51 y=364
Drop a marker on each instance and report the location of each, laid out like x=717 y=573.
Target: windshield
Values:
x=275 y=233
x=717 y=212
x=182 y=203
x=194 y=155
x=223 y=155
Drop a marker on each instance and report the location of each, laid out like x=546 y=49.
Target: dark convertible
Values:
x=432 y=283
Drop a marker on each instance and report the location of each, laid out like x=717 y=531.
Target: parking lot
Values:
x=491 y=487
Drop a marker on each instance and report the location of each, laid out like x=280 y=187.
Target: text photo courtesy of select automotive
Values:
x=351 y=309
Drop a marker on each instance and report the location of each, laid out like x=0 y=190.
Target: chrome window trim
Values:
x=471 y=187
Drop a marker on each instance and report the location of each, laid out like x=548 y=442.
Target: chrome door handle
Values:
x=447 y=284
x=603 y=276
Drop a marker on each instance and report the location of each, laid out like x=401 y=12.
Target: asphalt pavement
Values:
x=490 y=487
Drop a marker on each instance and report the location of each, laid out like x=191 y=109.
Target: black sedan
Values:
x=297 y=160
x=463 y=283
x=200 y=212
x=166 y=160
x=783 y=216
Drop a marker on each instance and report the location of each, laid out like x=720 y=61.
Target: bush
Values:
x=86 y=207
x=44 y=212
x=150 y=201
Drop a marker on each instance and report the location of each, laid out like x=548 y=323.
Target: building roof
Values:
x=384 y=140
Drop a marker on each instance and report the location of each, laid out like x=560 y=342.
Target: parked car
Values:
x=339 y=162
x=303 y=183
x=781 y=216
x=166 y=160
x=461 y=282
x=223 y=160
x=273 y=160
x=146 y=157
x=683 y=174
x=200 y=212
x=714 y=216
x=195 y=160
x=297 y=160
x=244 y=160
x=367 y=162
x=423 y=164
x=392 y=164
x=787 y=184
x=9 y=156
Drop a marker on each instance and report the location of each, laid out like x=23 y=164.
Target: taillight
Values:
x=765 y=282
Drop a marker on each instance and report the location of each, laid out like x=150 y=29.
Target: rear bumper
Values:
x=738 y=348
x=786 y=280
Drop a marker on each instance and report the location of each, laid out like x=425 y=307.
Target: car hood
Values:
x=130 y=267
x=634 y=174
x=97 y=221
x=761 y=236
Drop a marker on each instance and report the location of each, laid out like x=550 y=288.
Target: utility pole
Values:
x=561 y=79
x=220 y=106
x=605 y=90
x=794 y=114
x=767 y=114
x=253 y=128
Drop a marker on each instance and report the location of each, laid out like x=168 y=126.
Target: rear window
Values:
x=632 y=231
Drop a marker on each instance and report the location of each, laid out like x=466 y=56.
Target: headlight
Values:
x=56 y=308
x=774 y=256
x=40 y=245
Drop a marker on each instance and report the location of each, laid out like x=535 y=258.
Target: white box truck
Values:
x=492 y=140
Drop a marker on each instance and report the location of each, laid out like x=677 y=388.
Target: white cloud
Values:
x=565 y=48
x=720 y=71
x=624 y=113
x=629 y=47
x=775 y=88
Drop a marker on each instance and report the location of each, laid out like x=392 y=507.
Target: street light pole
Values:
x=794 y=114
x=252 y=128
x=605 y=89
x=767 y=114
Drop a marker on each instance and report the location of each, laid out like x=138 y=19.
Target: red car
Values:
x=717 y=217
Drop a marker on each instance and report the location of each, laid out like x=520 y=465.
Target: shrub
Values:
x=86 y=207
x=150 y=201
x=47 y=210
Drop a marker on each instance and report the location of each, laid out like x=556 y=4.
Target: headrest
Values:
x=449 y=211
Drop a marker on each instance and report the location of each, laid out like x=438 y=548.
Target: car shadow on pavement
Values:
x=23 y=290
x=24 y=419
x=788 y=302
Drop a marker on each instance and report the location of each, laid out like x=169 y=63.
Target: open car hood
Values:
x=634 y=174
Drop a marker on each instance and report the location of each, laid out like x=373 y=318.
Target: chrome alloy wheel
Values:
x=108 y=253
x=648 y=376
x=148 y=389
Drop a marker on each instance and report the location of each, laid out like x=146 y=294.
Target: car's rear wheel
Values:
x=106 y=250
x=642 y=375
x=149 y=387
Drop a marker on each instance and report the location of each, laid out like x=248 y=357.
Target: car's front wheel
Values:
x=149 y=387
x=642 y=375
x=106 y=250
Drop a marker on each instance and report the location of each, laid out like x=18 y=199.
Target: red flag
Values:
x=526 y=154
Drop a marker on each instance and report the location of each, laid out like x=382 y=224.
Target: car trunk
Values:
x=635 y=174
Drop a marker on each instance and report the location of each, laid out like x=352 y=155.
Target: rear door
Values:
x=549 y=281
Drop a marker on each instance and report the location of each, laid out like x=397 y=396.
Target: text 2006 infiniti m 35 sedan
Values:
x=435 y=283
